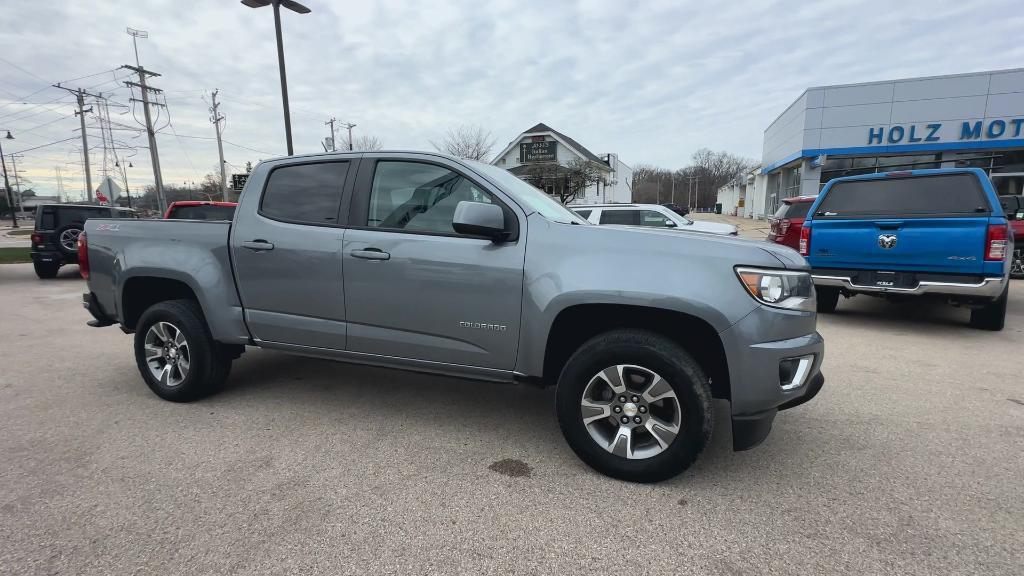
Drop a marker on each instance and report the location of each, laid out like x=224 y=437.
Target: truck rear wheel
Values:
x=634 y=405
x=828 y=298
x=46 y=270
x=992 y=316
x=178 y=358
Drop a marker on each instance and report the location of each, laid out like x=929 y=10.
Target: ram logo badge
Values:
x=887 y=241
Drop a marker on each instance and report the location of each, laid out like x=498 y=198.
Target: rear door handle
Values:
x=258 y=245
x=371 y=254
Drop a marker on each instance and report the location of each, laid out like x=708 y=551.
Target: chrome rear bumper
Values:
x=990 y=287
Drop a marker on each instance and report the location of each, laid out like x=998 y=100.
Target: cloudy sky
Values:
x=652 y=81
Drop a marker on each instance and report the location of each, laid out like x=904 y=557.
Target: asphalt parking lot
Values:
x=908 y=462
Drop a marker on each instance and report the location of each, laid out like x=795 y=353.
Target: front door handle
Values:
x=258 y=245
x=371 y=254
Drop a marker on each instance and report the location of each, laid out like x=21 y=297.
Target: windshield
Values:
x=533 y=198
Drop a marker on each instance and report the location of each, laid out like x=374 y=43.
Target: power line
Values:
x=45 y=145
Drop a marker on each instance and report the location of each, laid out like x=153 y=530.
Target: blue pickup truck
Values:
x=938 y=233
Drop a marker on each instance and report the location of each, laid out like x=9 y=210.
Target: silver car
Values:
x=649 y=215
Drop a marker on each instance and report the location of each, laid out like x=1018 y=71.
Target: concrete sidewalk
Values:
x=749 y=228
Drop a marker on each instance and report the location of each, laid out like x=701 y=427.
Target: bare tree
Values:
x=579 y=175
x=470 y=142
x=367 y=143
x=710 y=170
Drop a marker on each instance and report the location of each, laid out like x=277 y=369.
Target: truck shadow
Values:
x=521 y=418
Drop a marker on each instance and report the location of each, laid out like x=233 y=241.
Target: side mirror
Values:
x=479 y=219
x=670 y=224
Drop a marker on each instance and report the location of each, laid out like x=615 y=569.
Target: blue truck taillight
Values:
x=996 y=241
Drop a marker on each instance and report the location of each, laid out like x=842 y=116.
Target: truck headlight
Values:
x=788 y=289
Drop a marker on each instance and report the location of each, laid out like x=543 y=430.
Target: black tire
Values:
x=828 y=298
x=652 y=352
x=209 y=361
x=992 y=316
x=70 y=228
x=1017 y=264
x=46 y=270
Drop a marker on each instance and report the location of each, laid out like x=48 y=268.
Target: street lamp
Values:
x=298 y=9
x=124 y=176
x=7 y=184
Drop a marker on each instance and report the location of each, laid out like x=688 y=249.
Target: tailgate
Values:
x=950 y=245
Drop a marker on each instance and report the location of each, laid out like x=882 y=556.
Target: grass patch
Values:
x=20 y=232
x=15 y=255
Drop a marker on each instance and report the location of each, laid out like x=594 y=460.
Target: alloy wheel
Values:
x=167 y=353
x=631 y=411
x=69 y=239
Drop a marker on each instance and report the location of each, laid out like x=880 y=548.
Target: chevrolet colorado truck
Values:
x=429 y=263
x=939 y=233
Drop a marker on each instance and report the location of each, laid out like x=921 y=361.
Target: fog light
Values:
x=793 y=372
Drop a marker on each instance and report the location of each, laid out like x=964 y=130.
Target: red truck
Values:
x=200 y=210
x=1014 y=208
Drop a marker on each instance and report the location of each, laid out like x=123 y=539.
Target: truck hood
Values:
x=745 y=251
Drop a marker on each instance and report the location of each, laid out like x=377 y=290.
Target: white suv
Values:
x=651 y=215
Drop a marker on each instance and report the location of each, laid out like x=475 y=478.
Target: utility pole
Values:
x=7 y=184
x=80 y=96
x=350 y=126
x=673 y=187
x=216 y=118
x=334 y=145
x=17 y=183
x=154 y=156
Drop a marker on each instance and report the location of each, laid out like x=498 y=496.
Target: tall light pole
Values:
x=7 y=184
x=298 y=9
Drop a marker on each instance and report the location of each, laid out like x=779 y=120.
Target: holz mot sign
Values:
x=938 y=131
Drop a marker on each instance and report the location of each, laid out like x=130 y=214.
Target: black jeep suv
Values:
x=55 y=238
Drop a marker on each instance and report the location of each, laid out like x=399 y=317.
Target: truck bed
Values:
x=188 y=251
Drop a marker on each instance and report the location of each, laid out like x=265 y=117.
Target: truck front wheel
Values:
x=634 y=405
x=178 y=358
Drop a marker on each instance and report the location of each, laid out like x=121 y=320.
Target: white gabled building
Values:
x=540 y=154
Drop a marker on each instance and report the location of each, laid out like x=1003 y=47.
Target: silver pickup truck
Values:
x=430 y=263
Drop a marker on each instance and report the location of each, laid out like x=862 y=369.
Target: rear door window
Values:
x=628 y=217
x=906 y=197
x=305 y=193
x=47 y=218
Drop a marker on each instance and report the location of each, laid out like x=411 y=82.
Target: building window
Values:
x=838 y=167
x=792 y=187
x=501 y=162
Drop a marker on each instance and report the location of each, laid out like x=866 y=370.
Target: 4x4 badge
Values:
x=887 y=241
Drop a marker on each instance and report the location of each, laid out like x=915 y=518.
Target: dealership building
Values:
x=962 y=120
x=550 y=161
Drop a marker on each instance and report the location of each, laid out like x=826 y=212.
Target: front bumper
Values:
x=986 y=287
x=757 y=388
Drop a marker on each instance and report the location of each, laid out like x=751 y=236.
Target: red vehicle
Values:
x=789 y=219
x=1014 y=208
x=200 y=210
